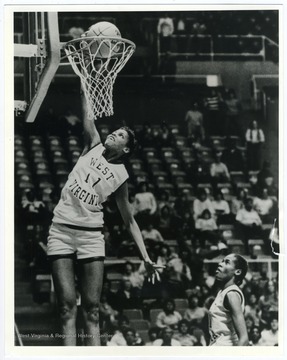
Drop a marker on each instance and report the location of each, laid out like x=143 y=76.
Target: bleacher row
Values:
x=138 y=322
x=44 y=163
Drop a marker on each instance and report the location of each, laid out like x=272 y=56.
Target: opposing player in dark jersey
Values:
x=76 y=230
x=226 y=320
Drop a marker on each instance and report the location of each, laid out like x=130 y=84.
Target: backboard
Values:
x=36 y=59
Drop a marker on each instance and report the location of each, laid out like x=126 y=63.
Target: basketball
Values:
x=103 y=48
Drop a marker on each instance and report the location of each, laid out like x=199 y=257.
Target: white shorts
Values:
x=79 y=242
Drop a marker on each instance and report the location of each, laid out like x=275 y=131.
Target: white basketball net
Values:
x=97 y=61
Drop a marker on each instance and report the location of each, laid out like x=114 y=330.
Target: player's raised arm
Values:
x=91 y=134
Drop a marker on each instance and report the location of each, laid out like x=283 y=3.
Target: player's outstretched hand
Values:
x=152 y=273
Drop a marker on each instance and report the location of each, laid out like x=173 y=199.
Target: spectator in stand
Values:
x=264 y=173
x=166 y=338
x=218 y=170
x=268 y=183
x=164 y=136
x=132 y=338
x=168 y=223
x=183 y=336
x=178 y=274
x=146 y=136
x=186 y=231
x=232 y=108
x=163 y=257
x=128 y=297
x=109 y=294
x=238 y=202
x=268 y=303
x=153 y=335
x=163 y=199
x=264 y=205
x=249 y=224
x=118 y=337
x=169 y=317
x=214 y=120
x=145 y=205
x=195 y=314
x=254 y=336
x=202 y=202
x=255 y=138
x=249 y=322
x=221 y=208
x=252 y=308
x=198 y=29
x=194 y=120
x=270 y=337
x=150 y=233
x=232 y=157
x=165 y=29
x=206 y=229
x=136 y=277
x=183 y=204
x=108 y=315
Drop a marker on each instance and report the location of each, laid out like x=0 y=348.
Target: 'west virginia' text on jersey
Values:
x=88 y=186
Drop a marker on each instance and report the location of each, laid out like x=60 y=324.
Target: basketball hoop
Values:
x=97 y=61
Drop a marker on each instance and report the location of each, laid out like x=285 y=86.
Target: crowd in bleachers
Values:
x=195 y=194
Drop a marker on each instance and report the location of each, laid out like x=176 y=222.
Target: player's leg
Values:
x=64 y=283
x=90 y=274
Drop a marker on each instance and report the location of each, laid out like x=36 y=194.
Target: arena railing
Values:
x=215 y=45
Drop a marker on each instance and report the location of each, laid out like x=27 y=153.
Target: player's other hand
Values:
x=151 y=269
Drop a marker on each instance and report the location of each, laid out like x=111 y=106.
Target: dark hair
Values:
x=153 y=330
x=168 y=301
x=128 y=329
x=241 y=264
x=206 y=211
x=131 y=144
x=123 y=318
x=183 y=322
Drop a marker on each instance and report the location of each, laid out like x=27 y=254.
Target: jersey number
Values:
x=95 y=183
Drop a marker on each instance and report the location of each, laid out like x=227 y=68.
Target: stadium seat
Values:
x=133 y=314
x=181 y=304
x=256 y=246
x=180 y=142
x=226 y=189
x=153 y=313
x=237 y=176
x=236 y=246
x=139 y=324
x=174 y=128
x=217 y=143
x=205 y=186
x=143 y=334
x=114 y=276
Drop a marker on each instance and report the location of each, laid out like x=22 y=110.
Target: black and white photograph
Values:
x=147 y=206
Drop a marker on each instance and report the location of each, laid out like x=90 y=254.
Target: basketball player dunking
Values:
x=226 y=320
x=76 y=231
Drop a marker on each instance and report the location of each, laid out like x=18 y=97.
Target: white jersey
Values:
x=88 y=186
x=221 y=328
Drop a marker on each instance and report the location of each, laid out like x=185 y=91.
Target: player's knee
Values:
x=68 y=311
x=92 y=312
